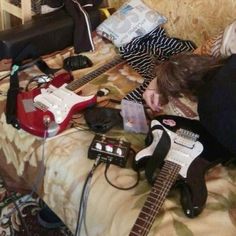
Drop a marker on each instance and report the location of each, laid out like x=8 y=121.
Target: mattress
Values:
x=110 y=211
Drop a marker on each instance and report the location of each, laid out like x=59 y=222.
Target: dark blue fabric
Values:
x=79 y=9
x=217 y=105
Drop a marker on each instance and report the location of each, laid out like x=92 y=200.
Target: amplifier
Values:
x=114 y=151
x=47 y=33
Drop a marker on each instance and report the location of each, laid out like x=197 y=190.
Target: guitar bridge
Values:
x=186 y=138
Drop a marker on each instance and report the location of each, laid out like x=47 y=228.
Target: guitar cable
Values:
x=39 y=80
x=108 y=163
x=84 y=199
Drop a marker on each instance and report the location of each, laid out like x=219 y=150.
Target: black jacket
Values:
x=79 y=9
x=217 y=105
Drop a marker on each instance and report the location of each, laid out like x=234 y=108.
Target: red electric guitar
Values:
x=50 y=108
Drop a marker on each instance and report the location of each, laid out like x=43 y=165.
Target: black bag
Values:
x=102 y=119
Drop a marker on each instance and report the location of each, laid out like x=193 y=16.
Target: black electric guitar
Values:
x=183 y=151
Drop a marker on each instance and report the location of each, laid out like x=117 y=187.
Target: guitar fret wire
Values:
x=149 y=219
x=161 y=182
x=157 y=192
x=145 y=213
x=144 y=220
x=161 y=179
x=148 y=225
x=174 y=173
x=149 y=208
x=134 y=232
x=78 y=83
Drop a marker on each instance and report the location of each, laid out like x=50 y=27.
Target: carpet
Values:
x=23 y=222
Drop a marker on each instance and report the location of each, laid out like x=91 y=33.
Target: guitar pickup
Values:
x=184 y=142
x=186 y=138
x=41 y=106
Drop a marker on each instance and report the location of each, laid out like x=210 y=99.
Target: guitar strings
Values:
x=168 y=185
x=165 y=188
x=85 y=79
x=147 y=225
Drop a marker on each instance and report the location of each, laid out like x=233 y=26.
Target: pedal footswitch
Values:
x=109 y=149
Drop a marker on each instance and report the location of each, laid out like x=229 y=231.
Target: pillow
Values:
x=211 y=47
x=221 y=45
x=132 y=19
x=228 y=46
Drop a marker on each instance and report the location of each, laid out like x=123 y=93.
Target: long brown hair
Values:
x=183 y=75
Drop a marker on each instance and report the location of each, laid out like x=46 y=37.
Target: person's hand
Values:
x=152 y=97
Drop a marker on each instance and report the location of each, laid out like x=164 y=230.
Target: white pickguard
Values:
x=182 y=153
x=59 y=101
x=151 y=148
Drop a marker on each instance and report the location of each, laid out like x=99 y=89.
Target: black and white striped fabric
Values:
x=142 y=53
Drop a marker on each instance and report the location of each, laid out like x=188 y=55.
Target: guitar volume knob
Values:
x=46 y=120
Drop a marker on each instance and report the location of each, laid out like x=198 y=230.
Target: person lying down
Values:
x=208 y=81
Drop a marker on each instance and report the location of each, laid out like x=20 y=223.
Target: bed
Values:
x=110 y=211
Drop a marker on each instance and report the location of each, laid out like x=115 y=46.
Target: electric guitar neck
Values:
x=76 y=84
x=155 y=199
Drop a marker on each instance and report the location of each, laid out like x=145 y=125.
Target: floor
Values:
x=18 y=216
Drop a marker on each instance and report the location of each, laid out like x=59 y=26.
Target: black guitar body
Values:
x=193 y=188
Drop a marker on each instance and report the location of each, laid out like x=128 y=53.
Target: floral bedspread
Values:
x=110 y=211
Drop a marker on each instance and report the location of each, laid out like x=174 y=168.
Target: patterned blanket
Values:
x=110 y=211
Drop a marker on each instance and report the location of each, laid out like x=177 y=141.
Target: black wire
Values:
x=81 y=203
x=29 y=83
x=35 y=79
x=115 y=186
x=89 y=176
x=21 y=217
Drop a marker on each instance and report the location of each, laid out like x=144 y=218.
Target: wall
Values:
x=196 y=20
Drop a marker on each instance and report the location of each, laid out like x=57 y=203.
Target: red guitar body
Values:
x=42 y=122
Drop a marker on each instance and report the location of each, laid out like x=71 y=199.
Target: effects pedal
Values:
x=109 y=149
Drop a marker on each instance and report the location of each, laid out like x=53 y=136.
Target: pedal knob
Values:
x=109 y=148
x=119 y=151
x=98 y=146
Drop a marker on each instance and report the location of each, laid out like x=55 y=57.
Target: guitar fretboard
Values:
x=74 y=85
x=155 y=199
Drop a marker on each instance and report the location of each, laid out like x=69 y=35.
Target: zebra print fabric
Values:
x=143 y=53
